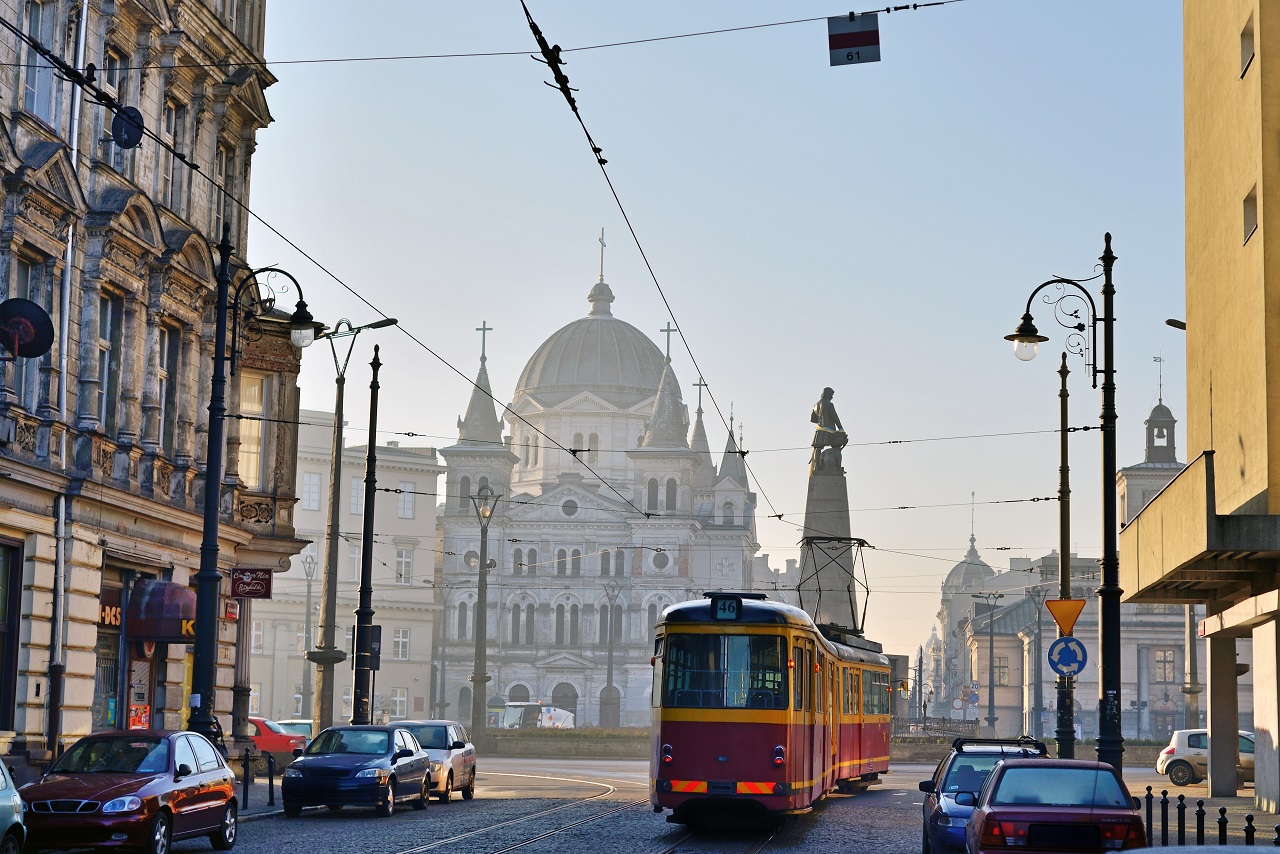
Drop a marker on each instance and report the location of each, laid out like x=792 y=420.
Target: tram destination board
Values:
x=726 y=607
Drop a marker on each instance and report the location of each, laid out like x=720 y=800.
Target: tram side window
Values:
x=845 y=675
x=655 y=695
x=875 y=693
x=797 y=667
x=821 y=670
x=724 y=671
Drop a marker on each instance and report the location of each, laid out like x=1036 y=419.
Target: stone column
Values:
x=132 y=346
x=1144 y=692
x=1224 y=717
x=150 y=433
x=1266 y=716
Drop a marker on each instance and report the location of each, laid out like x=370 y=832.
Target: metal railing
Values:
x=932 y=728
x=1180 y=828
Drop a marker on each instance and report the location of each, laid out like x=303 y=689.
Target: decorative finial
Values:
x=1160 y=394
x=602 y=245
x=731 y=419
x=484 y=329
x=972 y=538
x=700 y=386
x=668 y=329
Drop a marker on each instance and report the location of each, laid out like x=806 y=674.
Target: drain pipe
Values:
x=57 y=667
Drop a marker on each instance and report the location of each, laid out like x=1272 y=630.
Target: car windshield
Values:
x=366 y=741
x=432 y=737
x=273 y=726
x=969 y=771
x=118 y=755
x=297 y=729
x=1065 y=787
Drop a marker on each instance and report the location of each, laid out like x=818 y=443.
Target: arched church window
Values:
x=604 y=562
x=559 y=625
x=537 y=443
x=615 y=623
x=481 y=484
x=562 y=562
x=577 y=442
x=462 y=621
x=576 y=562
x=464 y=492
x=593 y=449
x=515 y=623
x=524 y=450
x=671 y=495
x=573 y=625
x=728 y=513
x=652 y=503
x=517 y=562
x=528 y=625
x=618 y=561
x=531 y=567
x=604 y=624
x=653 y=622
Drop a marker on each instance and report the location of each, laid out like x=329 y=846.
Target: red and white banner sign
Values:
x=855 y=40
x=251 y=584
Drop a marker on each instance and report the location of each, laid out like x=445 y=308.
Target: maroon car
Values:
x=137 y=789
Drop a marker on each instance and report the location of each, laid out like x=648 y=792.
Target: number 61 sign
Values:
x=853 y=39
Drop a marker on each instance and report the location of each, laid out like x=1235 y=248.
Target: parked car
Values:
x=1052 y=804
x=1186 y=759
x=963 y=769
x=10 y=815
x=372 y=766
x=453 y=756
x=297 y=727
x=139 y=789
x=270 y=737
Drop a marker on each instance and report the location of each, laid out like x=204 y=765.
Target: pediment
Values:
x=566 y=660
x=188 y=251
x=524 y=406
x=587 y=402
x=247 y=88
x=46 y=165
x=547 y=507
x=127 y=210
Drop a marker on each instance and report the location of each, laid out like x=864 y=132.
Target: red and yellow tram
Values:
x=754 y=708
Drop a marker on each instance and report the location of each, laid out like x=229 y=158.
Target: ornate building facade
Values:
x=103 y=438
x=591 y=544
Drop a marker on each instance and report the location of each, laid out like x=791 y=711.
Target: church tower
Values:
x=1138 y=484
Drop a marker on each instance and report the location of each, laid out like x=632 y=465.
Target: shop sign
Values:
x=251 y=583
x=109 y=613
x=139 y=717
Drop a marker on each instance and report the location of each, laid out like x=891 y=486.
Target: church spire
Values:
x=731 y=463
x=705 y=474
x=481 y=424
x=669 y=423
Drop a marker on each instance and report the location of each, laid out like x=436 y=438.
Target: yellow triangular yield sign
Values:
x=1065 y=612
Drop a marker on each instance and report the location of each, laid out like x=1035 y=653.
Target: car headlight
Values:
x=128 y=804
x=951 y=821
x=291 y=772
x=380 y=773
x=437 y=767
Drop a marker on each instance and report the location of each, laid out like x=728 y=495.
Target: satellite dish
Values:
x=126 y=127
x=25 y=328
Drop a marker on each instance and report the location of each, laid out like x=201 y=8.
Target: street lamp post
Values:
x=1038 y=595
x=483 y=501
x=362 y=686
x=309 y=569
x=991 y=598
x=208 y=578
x=611 y=591
x=1026 y=339
x=327 y=653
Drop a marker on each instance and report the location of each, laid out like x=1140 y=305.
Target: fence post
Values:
x=1182 y=819
x=246 y=778
x=1164 y=817
x=1222 y=825
x=1149 y=800
x=1199 y=822
x=1276 y=842
x=270 y=781
x=1249 y=830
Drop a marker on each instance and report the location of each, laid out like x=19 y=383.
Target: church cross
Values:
x=1160 y=362
x=669 y=329
x=602 y=245
x=700 y=385
x=484 y=329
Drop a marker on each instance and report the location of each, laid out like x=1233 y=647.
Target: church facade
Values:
x=609 y=509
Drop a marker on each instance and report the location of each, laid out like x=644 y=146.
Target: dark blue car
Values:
x=964 y=769
x=372 y=766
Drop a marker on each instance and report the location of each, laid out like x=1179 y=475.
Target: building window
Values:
x=404 y=566
x=255 y=698
x=593 y=449
x=221 y=212
x=577 y=442
x=604 y=624
x=562 y=562
x=462 y=621
x=399 y=703
x=353 y=561
x=464 y=492
x=1250 y=213
x=253 y=402
x=311 y=490
x=37 y=94
x=671 y=495
x=618 y=561
x=26 y=372
x=256 y=637
x=604 y=562
x=728 y=513
x=1002 y=670
x=167 y=391
x=531 y=568
x=110 y=311
x=653 y=623
x=528 y=625
x=297 y=701
x=400 y=644
x=559 y=625
x=357 y=495
x=1246 y=46
x=404 y=500
x=517 y=562
x=1165 y=670
x=575 y=562
x=515 y=623
x=573 y=625
x=173 y=179
x=651 y=502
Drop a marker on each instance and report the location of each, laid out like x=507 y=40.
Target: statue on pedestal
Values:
x=829 y=437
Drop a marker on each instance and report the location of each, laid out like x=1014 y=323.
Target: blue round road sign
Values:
x=1067 y=656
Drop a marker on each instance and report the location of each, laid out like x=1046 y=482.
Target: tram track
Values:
x=690 y=842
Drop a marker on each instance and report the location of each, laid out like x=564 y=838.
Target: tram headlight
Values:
x=779 y=755
x=667 y=758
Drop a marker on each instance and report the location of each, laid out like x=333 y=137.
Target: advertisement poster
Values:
x=139 y=717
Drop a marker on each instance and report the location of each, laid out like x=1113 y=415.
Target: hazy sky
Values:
x=876 y=228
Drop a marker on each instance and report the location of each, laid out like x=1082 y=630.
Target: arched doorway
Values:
x=610 y=706
x=518 y=694
x=565 y=696
x=464 y=704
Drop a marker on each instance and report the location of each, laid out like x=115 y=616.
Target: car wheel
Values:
x=924 y=841
x=469 y=790
x=388 y=806
x=292 y=810
x=10 y=845
x=224 y=838
x=1180 y=774
x=161 y=834
x=447 y=792
x=424 y=797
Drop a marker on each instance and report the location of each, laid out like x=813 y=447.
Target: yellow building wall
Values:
x=1233 y=314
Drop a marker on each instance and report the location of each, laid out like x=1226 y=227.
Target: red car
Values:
x=1032 y=805
x=136 y=789
x=270 y=737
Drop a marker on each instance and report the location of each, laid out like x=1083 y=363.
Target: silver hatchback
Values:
x=453 y=756
x=1186 y=759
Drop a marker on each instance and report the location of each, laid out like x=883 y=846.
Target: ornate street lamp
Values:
x=1068 y=299
x=483 y=502
x=247 y=306
x=1038 y=595
x=309 y=569
x=991 y=598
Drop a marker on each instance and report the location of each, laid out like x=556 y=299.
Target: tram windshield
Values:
x=724 y=671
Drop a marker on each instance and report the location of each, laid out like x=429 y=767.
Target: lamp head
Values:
x=1026 y=339
x=309 y=566
x=302 y=326
x=483 y=501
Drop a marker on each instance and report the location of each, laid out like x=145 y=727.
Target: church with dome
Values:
x=609 y=507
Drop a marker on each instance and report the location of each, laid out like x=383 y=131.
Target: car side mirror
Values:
x=297 y=751
x=184 y=770
x=966 y=799
x=401 y=754
x=458 y=745
x=927 y=786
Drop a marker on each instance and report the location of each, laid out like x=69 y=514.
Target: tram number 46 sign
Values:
x=1067 y=656
x=853 y=39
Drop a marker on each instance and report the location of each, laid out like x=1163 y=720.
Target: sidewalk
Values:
x=1265 y=824
x=256 y=806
